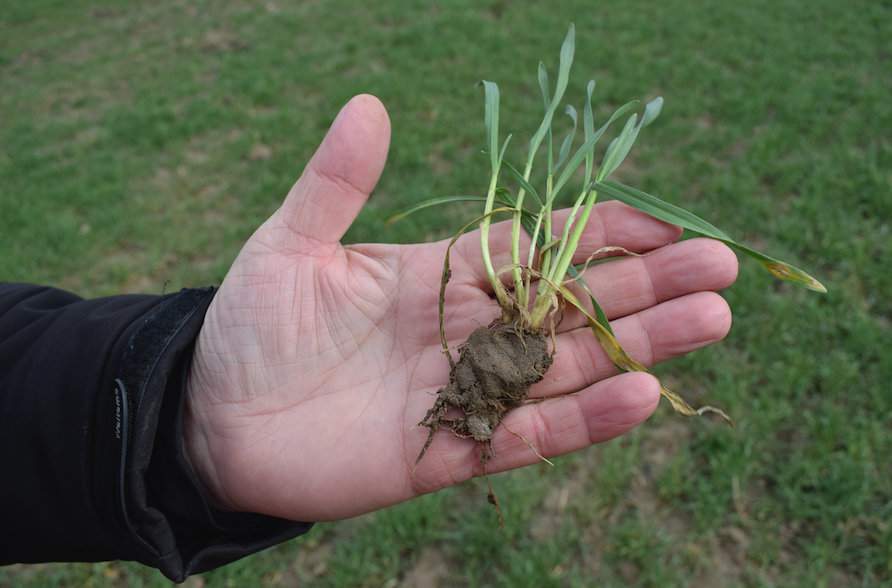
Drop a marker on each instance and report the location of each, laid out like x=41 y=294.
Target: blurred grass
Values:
x=142 y=143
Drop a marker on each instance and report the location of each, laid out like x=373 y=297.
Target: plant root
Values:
x=529 y=444
x=491 y=496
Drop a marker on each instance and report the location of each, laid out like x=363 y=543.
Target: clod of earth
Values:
x=496 y=367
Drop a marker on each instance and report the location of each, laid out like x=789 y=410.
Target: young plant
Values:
x=499 y=363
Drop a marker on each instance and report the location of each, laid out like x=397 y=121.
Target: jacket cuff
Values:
x=152 y=492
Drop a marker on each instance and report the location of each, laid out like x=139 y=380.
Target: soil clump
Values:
x=496 y=367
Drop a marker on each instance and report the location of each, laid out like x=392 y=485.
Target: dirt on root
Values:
x=496 y=367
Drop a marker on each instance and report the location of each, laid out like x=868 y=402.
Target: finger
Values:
x=601 y=412
x=653 y=335
x=610 y=223
x=626 y=286
x=339 y=178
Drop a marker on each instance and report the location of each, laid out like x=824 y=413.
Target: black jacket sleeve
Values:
x=91 y=444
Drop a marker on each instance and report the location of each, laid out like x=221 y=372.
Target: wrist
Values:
x=197 y=444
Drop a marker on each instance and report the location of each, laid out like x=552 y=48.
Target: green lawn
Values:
x=141 y=145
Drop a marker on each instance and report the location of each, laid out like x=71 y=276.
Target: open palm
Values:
x=316 y=361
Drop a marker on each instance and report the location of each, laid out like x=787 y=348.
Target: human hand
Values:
x=316 y=361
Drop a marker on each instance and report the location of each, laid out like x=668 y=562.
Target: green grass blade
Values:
x=504 y=148
x=588 y=127
x=568 y=140
x=515 y=173
x=546 y=100
x=660 y=209
x=542 y=75
x=619 y=148
x=670 y=213
x=491 y=120
x=652 y=111
x=434 y=202
x=568 y=49
x=506 y=198
x=588 y=147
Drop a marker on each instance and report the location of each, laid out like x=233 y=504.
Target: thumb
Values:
x=342 y=173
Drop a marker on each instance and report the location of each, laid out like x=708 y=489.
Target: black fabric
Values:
x=91 y=440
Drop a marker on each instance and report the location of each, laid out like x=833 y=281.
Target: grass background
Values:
x=141 y=143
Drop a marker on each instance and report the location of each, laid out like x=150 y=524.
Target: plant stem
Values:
x=501 y=295
x=519 y=290
x=571 y=219
x=544 y=302
x=545 y=262
x=543 y=218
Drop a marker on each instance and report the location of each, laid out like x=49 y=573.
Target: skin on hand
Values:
x=316 y=361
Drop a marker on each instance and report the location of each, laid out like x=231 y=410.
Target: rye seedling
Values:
x=498 y=363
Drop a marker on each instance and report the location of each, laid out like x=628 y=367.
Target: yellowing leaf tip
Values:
x=790 y=273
